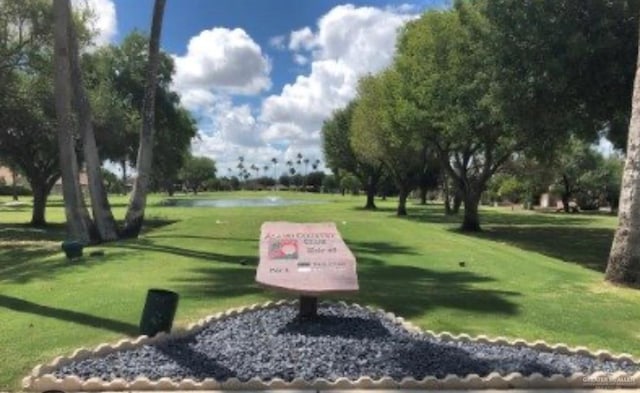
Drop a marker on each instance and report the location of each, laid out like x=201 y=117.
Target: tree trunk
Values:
x=137 y=204
x=565 y=202
x=471 y=220
x=447 y=199
x=39 y=204
x=623 y=266
x=14 y=186
x=104 y=221
x=170 y=188
x=457 y=202
x=123 y=164
x=371 y=193
x=423 y=195
x=402 y=201
x=77 y=226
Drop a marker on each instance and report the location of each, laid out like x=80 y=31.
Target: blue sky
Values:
x=261 y=76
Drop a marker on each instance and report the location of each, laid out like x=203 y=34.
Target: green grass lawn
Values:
x=528 y=275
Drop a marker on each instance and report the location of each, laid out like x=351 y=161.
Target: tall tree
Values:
x=135 y=212
x=447 y=72
x=274 y=161
x=27 y=112
x=382 y=132
x=623 y=266
x=78 y=222
x=564 y=65
x=339 y=154
x=197 y=171
x=28 y=135
x=102 y=215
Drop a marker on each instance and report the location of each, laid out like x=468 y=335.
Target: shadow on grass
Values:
x=23 y=248
x=379 y=248
x=60 y=203
x=406 y=290
x=148 y=245
x=198 y=237
x=20 y=264
x=24 y=306
x=152 y=223
x=434 y=213
x=588 y=247
x=25 y=232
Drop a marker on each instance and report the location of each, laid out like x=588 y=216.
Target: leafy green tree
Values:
x=27 y=112
x=284 y=180
x=613 y=167
x=315 y=180
x=564 y=66
x=339 y=154
x=28 y=136
x=446 y=69
x=351 y=183
x=578 y=171
x=430 y=173
x=176 y=127
x=112 y=183
x=197 y=171
x=383 y=132
x=330 y=184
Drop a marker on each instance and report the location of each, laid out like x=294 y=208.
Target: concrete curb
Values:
x=41 y=378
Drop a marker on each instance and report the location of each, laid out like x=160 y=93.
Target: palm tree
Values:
x=315 y=164
x=306 y=164
x=298 y=161
x=75 y=210
x=105 y=223
x=138 y=202
x=274 y=161
x=623 y=266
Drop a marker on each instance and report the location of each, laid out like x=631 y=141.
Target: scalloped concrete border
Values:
x=41 y=378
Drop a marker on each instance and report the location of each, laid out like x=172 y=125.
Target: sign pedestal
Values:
x=308 y=307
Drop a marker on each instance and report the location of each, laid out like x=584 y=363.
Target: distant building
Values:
x=84 y=183
x=7 y=177
x=549 y=200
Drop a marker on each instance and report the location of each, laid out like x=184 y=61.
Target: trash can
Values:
x=159 y=311
x=72 y=248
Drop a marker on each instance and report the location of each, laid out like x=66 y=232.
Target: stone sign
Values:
x=308 y=259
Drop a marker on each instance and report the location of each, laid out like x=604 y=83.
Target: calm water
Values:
x=249 y=202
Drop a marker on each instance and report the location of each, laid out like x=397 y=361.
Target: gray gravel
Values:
x=343 y=342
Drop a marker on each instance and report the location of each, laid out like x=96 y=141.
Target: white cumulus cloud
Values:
x=221 y=60
x=348 y=42
x=102 y=19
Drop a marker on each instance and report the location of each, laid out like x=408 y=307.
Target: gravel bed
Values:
x=345 y=341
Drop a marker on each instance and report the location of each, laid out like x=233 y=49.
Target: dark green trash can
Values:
x=159 y=311
x=72 y=248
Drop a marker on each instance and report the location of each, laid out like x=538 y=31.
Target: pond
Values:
x=240 y=202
